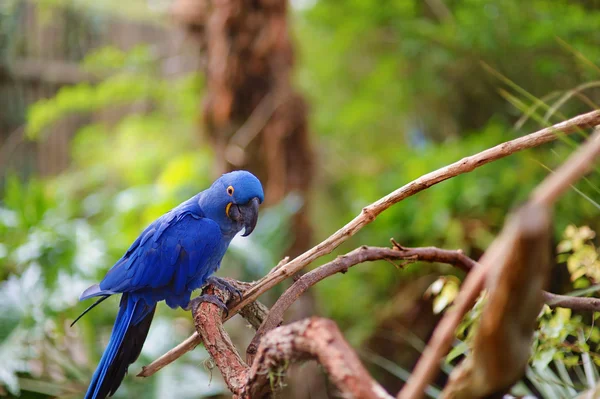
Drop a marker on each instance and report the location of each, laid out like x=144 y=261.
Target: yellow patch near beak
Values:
x=227 y=209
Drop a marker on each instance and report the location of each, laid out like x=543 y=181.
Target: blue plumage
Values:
x=172 y=257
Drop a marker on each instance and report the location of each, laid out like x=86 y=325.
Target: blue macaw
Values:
x=172 y=257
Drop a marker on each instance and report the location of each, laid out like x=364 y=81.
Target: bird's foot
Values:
x=215 y=300
x=224 y=285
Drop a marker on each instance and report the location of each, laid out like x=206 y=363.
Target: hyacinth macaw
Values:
x=172 y=257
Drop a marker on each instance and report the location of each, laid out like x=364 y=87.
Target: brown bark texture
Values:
x=514 y=300
x=313 y=338
x=253 y=117
x=426 y=369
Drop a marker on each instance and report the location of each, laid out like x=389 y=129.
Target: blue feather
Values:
x=131 y=314
x=171 y=258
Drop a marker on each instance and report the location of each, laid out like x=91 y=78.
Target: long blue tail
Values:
x=126 y=341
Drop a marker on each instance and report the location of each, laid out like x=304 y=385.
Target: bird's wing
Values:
x=168 y=254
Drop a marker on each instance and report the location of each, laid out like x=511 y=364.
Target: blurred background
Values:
x=112 y=112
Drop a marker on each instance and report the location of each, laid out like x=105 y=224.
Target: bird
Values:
x=175 y=255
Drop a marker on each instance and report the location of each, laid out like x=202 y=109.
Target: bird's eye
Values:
x=230 y=190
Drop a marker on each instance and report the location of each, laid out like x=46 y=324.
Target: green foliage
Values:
x=581 y=256
x=397 y=89
x=443 y=290
x=132 y=80
x=61 y=235
x=404 y=61
x=563 y=341
x=404 y=91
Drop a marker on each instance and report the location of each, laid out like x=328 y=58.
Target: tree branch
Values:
x=208 y=319
x=315 y=338
x=368 y=254
x=254 y=313
x=341 y=265
x=310 y=338
x=319 y=339
x=371 y=212
x=502 y=342
x=545 y=195
x=571 y=302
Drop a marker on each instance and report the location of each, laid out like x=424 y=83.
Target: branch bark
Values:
x=514 y=298
x=208 y=319
x=254 y=313
x=318 y=339
x=571 y=302
x=313 y=338
x=341 y=265
x=368 y=254
x=545 y=195
x=371 y=212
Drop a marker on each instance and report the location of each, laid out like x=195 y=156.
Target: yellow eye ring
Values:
x=230 y=190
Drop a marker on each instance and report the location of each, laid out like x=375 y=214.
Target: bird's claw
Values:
x=215 y=300
x=224 y=285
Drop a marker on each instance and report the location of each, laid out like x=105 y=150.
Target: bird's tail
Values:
x=128 y=335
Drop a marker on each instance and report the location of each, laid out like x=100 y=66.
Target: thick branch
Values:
x=370 y=212
x=514 y=298
x=315 y=338
x=545 y=195
x=254 y=313
x=208 y=319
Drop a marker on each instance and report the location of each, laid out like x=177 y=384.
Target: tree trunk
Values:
x=253 y=117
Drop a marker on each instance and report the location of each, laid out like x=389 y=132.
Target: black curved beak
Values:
x=249 y=215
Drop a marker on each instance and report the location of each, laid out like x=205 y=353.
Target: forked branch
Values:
x=367 y=254
x=370 y=212
x=313 y=338
x=544 y=196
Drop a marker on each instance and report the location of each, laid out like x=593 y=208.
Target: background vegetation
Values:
x=396 y=89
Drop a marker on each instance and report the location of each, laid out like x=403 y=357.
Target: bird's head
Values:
x=232 y=201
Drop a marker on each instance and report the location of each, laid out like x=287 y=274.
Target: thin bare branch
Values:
x=571 y=302
x=545 y=195
x=341 y=265
x=368 y=254
x=371 y=212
